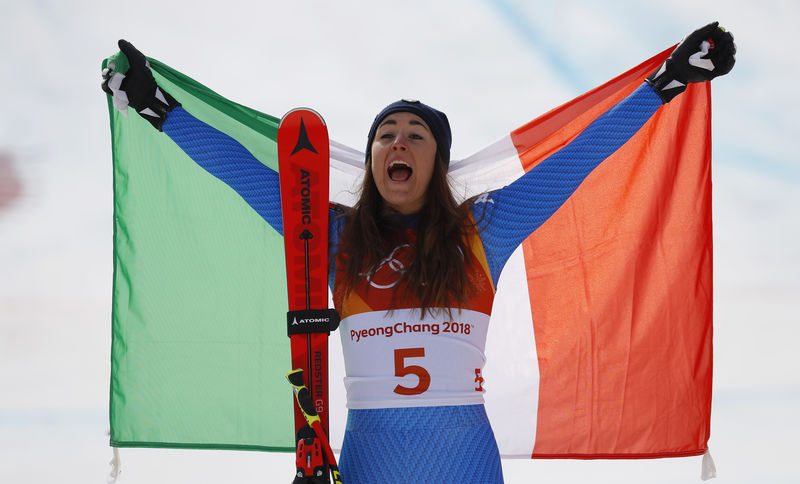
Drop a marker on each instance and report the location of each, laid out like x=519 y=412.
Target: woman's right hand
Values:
x=137 y=87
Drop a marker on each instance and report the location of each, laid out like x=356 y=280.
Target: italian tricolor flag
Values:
x=600 y=344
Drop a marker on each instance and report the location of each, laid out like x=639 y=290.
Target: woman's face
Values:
x=403 y=154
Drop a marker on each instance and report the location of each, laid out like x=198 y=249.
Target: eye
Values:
x=386 y=135
x=416 y=136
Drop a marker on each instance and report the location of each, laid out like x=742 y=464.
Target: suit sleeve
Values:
x=229 y=161
x=507 y=216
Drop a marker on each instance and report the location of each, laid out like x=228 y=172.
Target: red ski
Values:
x=303 y=156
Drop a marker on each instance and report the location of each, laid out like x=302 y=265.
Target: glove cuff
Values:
x=157 y=107
x=665 y=83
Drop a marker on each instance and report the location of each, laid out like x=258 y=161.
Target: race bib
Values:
x=397 y=359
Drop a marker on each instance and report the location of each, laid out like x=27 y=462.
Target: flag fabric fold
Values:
x=600 y=340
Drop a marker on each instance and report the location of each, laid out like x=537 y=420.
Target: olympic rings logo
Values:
x=396 y=267
x=394 y=264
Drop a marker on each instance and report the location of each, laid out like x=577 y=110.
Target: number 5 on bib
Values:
x=401 y=369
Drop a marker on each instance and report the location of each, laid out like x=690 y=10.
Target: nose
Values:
x=399 y=143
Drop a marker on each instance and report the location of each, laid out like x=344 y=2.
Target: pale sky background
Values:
x=491 y=66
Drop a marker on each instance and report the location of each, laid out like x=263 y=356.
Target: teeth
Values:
x=398 y=165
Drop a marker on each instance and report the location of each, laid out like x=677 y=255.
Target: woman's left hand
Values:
x=706 y=53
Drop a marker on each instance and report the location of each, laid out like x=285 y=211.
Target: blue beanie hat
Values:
x=435 y=119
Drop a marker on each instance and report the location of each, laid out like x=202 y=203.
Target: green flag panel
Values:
x=199 y=346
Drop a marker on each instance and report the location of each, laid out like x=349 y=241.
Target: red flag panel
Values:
x=620 y=281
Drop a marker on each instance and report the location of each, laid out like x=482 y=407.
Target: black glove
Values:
x=704 y=54
x=138 y=88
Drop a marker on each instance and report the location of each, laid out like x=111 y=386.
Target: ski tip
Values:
x=303 y=110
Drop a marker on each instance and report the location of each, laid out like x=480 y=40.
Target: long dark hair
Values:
x=438 y=273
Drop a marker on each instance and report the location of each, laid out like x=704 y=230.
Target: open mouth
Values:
x=399 y=171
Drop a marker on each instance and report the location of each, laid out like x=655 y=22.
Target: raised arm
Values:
x=216 y=152
x=509 y=215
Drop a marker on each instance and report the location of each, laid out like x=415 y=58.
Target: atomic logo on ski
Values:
x=303 y=143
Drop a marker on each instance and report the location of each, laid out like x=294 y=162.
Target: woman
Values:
x=419 y=269
x=410 y=270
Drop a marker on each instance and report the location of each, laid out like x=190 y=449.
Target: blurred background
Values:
x=491 y=66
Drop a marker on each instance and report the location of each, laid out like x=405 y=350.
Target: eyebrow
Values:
x=413 y=121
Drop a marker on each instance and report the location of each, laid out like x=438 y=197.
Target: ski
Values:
x=303 y=157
